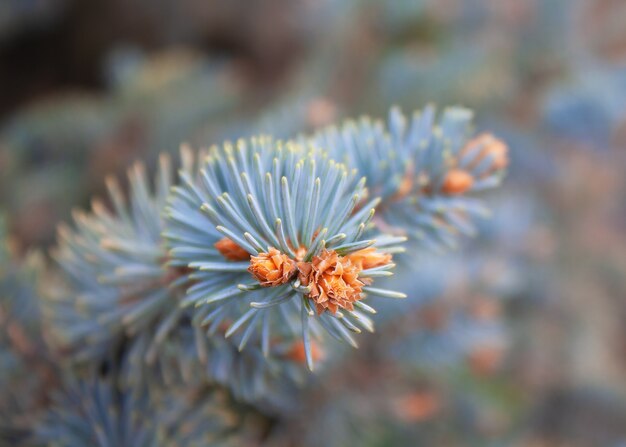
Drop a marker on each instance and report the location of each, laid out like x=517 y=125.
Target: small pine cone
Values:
x=491 y=147
x=369 y=258
x=273 y=268
x=457 y=181
x=333 y=280
x=231 y=250
x=405 y=187
x=297 y=353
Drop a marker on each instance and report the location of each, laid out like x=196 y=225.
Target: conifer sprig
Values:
x=425 y=168
x=114 y=283
x=101 y=413
x=284 y=205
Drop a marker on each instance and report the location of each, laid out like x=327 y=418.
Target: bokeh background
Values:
x=518 y=337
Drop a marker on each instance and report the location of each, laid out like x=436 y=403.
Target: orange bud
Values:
x=272 y=268
x=369 y=258
x=297 y=352
x=231 y=250
x=457 y=181
x=406 y=186
x=491 y=147
x=333 y=280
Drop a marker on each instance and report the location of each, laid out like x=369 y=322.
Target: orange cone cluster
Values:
x=333 y=279
x=458 y=181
